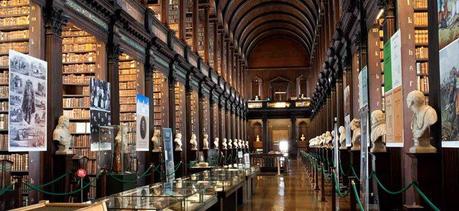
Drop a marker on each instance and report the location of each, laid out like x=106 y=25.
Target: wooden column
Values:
x=42 y=168
x=164 y=12
x=195 y=24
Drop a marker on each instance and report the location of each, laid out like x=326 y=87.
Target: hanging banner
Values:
x=27 y=105
x=363 y=87
x=449 y=99
x=143 y=128
x=168 y=154
x=393 y=91
x=99 y=112
x=347 y=126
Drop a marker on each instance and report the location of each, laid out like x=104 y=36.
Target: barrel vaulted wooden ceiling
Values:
x=247 y=22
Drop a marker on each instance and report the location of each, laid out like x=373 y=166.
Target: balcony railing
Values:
x=264 y=104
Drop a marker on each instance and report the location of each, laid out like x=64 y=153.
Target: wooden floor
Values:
x=291 y=191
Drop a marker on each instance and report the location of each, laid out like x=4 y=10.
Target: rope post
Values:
x=316 y=185
x=334 y=184
x=322 y=184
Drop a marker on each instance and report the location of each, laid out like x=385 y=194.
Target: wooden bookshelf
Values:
x=83 y=58
x=179 y=108
x=174 y=15
x=159 y=100
x=189 y=22
x=129 y=75
x=201 y=31
x=18 y=19
x=194 y=101
x=421 y=42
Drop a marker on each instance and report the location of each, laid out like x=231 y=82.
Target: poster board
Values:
x=449 y=99
x=168 y=154
x=142 y=120
x=100 y=110
x=27 y=105
x=393 y=94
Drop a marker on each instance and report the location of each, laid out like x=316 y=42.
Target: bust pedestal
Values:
x=62 y=164
x=382 y=166
x=426 y=170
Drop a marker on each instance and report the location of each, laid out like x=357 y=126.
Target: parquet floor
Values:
x=291 y=191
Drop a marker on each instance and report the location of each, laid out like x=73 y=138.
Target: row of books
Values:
x=420 y=18
x=20 y=161
x=14 y=35
x=79 y=47
x=422 y=53
x=129 y=107
x=76 y=79
x=124 y=78
x=77 y=113
x=4 y=77
x=76 y=102
x=420 y=3
x=79 y=40
x=78 y=58
x=3 y=142
x=130 y=71
x=13 y=3
x=422 y=68
x=86 y=152
x=4 y=91
x=127 y=100
x=421 y=36
x=81 y=141
x=22 y=47
x=128 y=85
x=3 y=121
x=80 y=128
x=14 y=21
x=128 y=64
x=127 y=93
x=127 y=117
x=79 y=68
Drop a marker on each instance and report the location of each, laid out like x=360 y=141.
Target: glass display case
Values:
x=177 y=195
x=220 y=180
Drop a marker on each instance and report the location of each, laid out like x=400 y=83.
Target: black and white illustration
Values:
x=27 y=104
x=99 y=112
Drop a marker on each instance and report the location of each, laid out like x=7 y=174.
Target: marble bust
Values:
x=240 y=143
x=230 y=144
x=193 y=142
x=205 y=141
x=355 y=127
x=156 y=140
x=62 y=135
x=424 y=116
x=258 y=138
x=178 y=142
x=235 y=143
x=342 y=137
x=378 y=131
x=216 y=144
x=224 y=144
x=247 y=144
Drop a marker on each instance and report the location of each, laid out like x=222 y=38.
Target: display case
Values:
x=220 y=180
x=177 y=195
